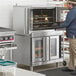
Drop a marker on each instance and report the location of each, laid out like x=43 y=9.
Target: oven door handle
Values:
x=44 y=49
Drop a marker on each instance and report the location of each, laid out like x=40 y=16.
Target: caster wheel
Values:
x=64 y=63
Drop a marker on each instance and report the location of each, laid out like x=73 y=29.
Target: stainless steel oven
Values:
x=36 y=36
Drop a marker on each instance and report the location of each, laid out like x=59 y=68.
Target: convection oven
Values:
x=35 y=30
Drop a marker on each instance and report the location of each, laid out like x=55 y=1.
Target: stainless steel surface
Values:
x=24 y=18
x=50 y=49
x=19 y=20
x=7 y=38
x=44 y=49
x=26 y=50
x=22 y=55
x=54 y=47
x=28 y=21
x=35 y=47
x=44 y=33
x=47 y=47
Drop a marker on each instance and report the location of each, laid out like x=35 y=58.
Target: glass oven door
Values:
x=54 y=47
x=38 y=49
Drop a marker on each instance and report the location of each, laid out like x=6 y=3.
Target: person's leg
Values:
x=72 y=50
x=71 y=59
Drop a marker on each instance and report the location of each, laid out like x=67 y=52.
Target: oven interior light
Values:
x=46 y=18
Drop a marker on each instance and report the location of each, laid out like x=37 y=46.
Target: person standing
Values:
x=70 y=25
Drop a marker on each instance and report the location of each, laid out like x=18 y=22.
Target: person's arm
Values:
x=69 y=18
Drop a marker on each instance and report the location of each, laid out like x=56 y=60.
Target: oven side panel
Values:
x=19 y=19
x=22 y=54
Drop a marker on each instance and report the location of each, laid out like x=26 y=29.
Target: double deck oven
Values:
x=45 y=41
x=37 y=25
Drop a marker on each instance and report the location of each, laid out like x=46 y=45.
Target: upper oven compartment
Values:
x=42 y=18
x=29 y=19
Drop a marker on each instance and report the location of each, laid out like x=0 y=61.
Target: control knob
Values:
x=6 y=38
x=1 y=38
x=11 y=37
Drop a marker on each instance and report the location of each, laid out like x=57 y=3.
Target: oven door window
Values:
x=38 y=49
x=54 y=47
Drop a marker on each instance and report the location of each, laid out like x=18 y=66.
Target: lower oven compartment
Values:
x=46 y=50
x=35 y=49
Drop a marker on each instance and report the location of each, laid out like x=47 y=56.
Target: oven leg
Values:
x=31 y=68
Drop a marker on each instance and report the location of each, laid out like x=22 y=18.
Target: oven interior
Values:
x=44 y=19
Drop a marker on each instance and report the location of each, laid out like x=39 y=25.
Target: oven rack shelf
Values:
x=42 y=17
x=41 y=22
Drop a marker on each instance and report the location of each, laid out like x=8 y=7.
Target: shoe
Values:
x=73 y=73
x=67 y=70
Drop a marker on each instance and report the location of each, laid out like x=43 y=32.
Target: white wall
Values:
x=30 y=2
x=6 y=7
